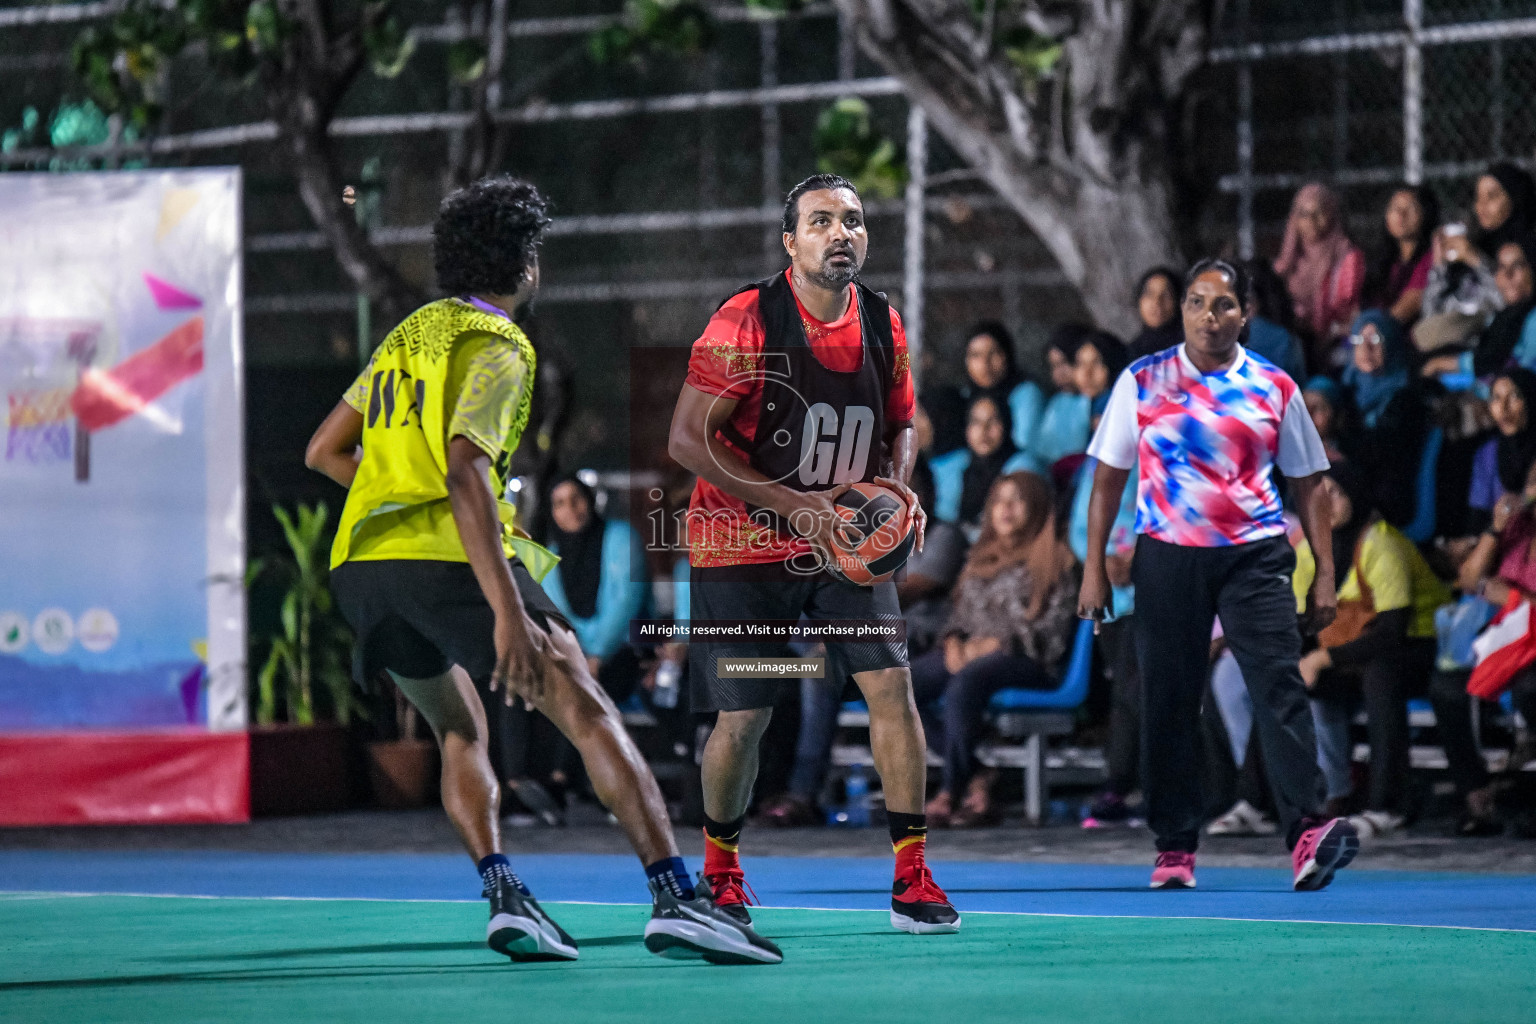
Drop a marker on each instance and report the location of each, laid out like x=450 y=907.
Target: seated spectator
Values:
x=1326 y=406
x=1460 y=297
x=1399 y=265
x=961 y=479
x=1096 y=365
x=1379 y=652
x=1510 y=336
x=1499 y=466
x=1158 y=297
x=1502 y=563
x=1378 y=368
x=991 y=369
x=1272 y=322
x=1505 y=207
x=1014 y=608
x=1323 y=271
x=1392 y=411
x=599 y=584
x=1063 y=426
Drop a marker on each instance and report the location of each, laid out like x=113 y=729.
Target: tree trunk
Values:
x=1080 y=151
x=305 y=138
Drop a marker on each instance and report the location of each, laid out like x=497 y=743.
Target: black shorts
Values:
x=772 y=591
x=418 y=617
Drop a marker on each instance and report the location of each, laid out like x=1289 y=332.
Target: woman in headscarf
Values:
x=1392 y=411
x=1378 y=654
x=1010 y=627
x=599 y=584
x=1158 y=295
x=1378 y=368
x=1510 y=337
x=991 y=370
x=1399 y=264
x=1096 y=365
x=1323 y=270
x=1505 y=207
x=962 y=478
x=1499 y=467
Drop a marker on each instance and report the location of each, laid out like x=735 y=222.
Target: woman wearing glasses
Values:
x=1209 y=424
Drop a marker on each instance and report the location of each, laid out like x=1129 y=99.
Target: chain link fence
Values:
x=1363 y=94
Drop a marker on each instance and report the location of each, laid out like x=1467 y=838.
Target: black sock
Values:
x=495 y=867
x=726 y=833
x=906 y=826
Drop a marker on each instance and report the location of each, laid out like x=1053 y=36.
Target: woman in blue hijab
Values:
x=1378 y=367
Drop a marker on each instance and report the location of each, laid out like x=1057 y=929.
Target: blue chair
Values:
x=1423 y=526
x=1074 y=681
x=1032 y=714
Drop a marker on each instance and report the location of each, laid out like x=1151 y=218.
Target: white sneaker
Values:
x=1377 y=824
x=1243 y=819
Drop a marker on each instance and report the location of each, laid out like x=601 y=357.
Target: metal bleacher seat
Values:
x=1022 y=718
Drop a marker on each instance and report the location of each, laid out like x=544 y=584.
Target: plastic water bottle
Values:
x=669 y=675
x=858 y=798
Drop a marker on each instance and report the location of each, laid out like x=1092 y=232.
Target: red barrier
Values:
x=117 y=778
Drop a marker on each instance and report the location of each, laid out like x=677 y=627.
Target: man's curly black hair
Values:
x=486 y=235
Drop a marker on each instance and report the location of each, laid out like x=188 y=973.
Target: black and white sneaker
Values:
x=697 y=929
x=520 y=929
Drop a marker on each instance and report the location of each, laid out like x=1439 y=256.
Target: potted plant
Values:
x=299 y=760
x=403 y=771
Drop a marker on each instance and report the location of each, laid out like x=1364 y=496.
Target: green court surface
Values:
x=171 y=959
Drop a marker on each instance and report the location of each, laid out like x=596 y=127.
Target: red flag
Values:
x=1506 y=646
x=105 y=397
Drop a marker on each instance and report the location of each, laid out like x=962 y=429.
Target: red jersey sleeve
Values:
x=726 y=357
x=901 y=406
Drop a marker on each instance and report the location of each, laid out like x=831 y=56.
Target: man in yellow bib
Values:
x=440 y=586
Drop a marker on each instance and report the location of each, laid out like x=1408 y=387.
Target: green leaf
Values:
x=263 y=26
x=466 y=61
x=389 y=47
x=848 y=143
x=291 y=615
x=266 y=693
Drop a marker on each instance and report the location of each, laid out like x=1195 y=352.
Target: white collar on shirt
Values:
x=1194 y=371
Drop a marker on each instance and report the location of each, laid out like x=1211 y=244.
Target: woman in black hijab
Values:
x=989 y=436
x=1517 y=450
x=1505 y=207
x=576 y=531
x=1158 y=296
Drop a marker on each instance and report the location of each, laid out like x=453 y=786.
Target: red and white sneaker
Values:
x=1321 y=852
x=918 y=905
x=1174 y=870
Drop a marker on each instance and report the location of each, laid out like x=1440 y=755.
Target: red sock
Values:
x=721 y=841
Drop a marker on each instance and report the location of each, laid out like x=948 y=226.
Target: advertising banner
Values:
x=122 y=526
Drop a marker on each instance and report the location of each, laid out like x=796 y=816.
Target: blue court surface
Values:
x=1357 y=896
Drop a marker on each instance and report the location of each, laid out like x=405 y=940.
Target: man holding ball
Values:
x=799 y=387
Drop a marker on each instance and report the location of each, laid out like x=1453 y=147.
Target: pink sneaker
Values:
x=1174 y=870
x=1322 y=851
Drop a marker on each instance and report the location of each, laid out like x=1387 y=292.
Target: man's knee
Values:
x=887 y=692
x=742 y=728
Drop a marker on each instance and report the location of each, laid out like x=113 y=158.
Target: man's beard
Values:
x=831 y=277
